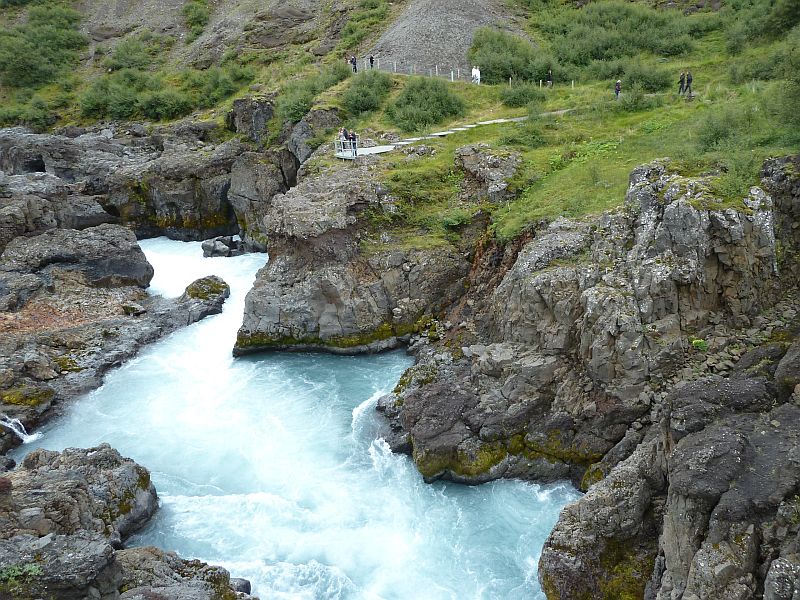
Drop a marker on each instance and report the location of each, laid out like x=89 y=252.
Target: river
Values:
x=271 y=466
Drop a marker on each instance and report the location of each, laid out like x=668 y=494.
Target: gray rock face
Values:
x=256 y=178
x=94 y=490
x=152 y=573
x=171 y=183
x=35 y=202
x=67 y=567
x=105 y=256
x=61 y=516
x=486 y=175
x=315 y=122
x=579 y=327
x=250 y=116
x=319 y=289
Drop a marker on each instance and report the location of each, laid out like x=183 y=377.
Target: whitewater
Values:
x=273 y=466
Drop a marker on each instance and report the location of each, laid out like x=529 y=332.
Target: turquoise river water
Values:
x=271 y=466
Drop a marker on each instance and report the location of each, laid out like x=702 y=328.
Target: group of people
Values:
x=354 y=62
x=685 y=84
x=476 y=75
x=349 y=141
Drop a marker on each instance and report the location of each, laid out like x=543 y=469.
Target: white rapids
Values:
x=272 y=467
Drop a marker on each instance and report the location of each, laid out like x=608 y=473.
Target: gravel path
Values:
x=437 y=32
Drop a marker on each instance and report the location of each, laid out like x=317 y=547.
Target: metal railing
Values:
x=347 y=149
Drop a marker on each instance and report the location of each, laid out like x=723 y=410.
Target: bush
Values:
x=609 y=30
x=164 y=104
x=502 y=56
x=649 y=77
x=196 y=15
x=521 y=95
x=718 y=127
x=370 y=14
x=132 y=53
x=36 y=52
x=366 y=92
x=424 y=102
x=297 y=97
x=634 y=99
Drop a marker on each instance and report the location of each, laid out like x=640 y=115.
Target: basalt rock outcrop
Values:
x=64 y=516
x=72 y=306
x=559 y=353
x=324 y=288
x=647 y=355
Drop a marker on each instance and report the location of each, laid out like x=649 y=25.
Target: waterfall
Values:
x=16 y=427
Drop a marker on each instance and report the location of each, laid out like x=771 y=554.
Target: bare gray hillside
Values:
x=438 y=32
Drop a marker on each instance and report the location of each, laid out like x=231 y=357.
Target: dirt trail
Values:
x=438 y=32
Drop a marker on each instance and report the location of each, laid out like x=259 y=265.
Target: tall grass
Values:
x=297 y=97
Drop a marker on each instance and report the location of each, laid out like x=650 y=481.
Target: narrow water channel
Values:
x=271 y=466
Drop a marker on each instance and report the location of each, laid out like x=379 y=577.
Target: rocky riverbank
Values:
x=649 y=355
x=64 y=517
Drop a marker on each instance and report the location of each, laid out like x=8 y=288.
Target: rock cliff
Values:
x=324 y=289
x=64 y=516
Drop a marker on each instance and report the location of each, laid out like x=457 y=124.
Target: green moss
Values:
x=593 y=475
x=625 y=572
x=26 y=396
x=67 y=364
x=207 y=288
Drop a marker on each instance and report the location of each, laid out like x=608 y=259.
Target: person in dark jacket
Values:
x=353 y=142
x=371 y=61
x=617 y=89
x=354 y=64
x=688 y=84
x=682 y=83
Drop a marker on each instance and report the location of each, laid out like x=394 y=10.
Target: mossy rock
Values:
x=26 y=396
x=208 y=288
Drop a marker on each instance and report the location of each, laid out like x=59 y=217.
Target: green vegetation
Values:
x=366 y=92
x=522 y=95
x=17 y=581
x=39 y=50
x=366 y=18
x=424 y=102
x=196 y=15
x=298 y=96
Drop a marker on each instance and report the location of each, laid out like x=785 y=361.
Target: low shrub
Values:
x=502 y=56
x=717 y=127
x=521 y=95
x=423 y=102
x=649 y=78
x=37 y=51
x=297 y=97
x=196 y=15
x=164 y=104
x=367 y=91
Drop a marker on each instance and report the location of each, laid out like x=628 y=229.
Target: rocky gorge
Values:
x=649 y=354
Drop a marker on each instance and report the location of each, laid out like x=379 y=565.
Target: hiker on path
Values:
x=549 y=78
x=617 y=89
x=371 y=61
x=477 y=75
x=688 y=84
x=354 y=63
x=682 y=83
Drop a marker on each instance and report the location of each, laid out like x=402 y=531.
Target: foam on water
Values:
x=271 y=466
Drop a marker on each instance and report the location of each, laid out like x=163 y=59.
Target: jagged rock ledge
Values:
x=63 y=519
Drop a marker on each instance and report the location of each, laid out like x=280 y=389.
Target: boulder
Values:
x=249 y=117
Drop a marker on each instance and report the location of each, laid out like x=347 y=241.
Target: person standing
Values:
x=354 y=64
x=354 y=143
x=549 y=78
x=371 y=61
x=477 y=75
x=617 y=89
x=688 y=84
x=682 y=83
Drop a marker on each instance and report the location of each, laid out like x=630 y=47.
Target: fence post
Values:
x=379 y=64
x=459 y=72
x=452 y=79
x=395 y=66
x=509 y=82
x=437 y=70
x=573 y=84
x=540 y=83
